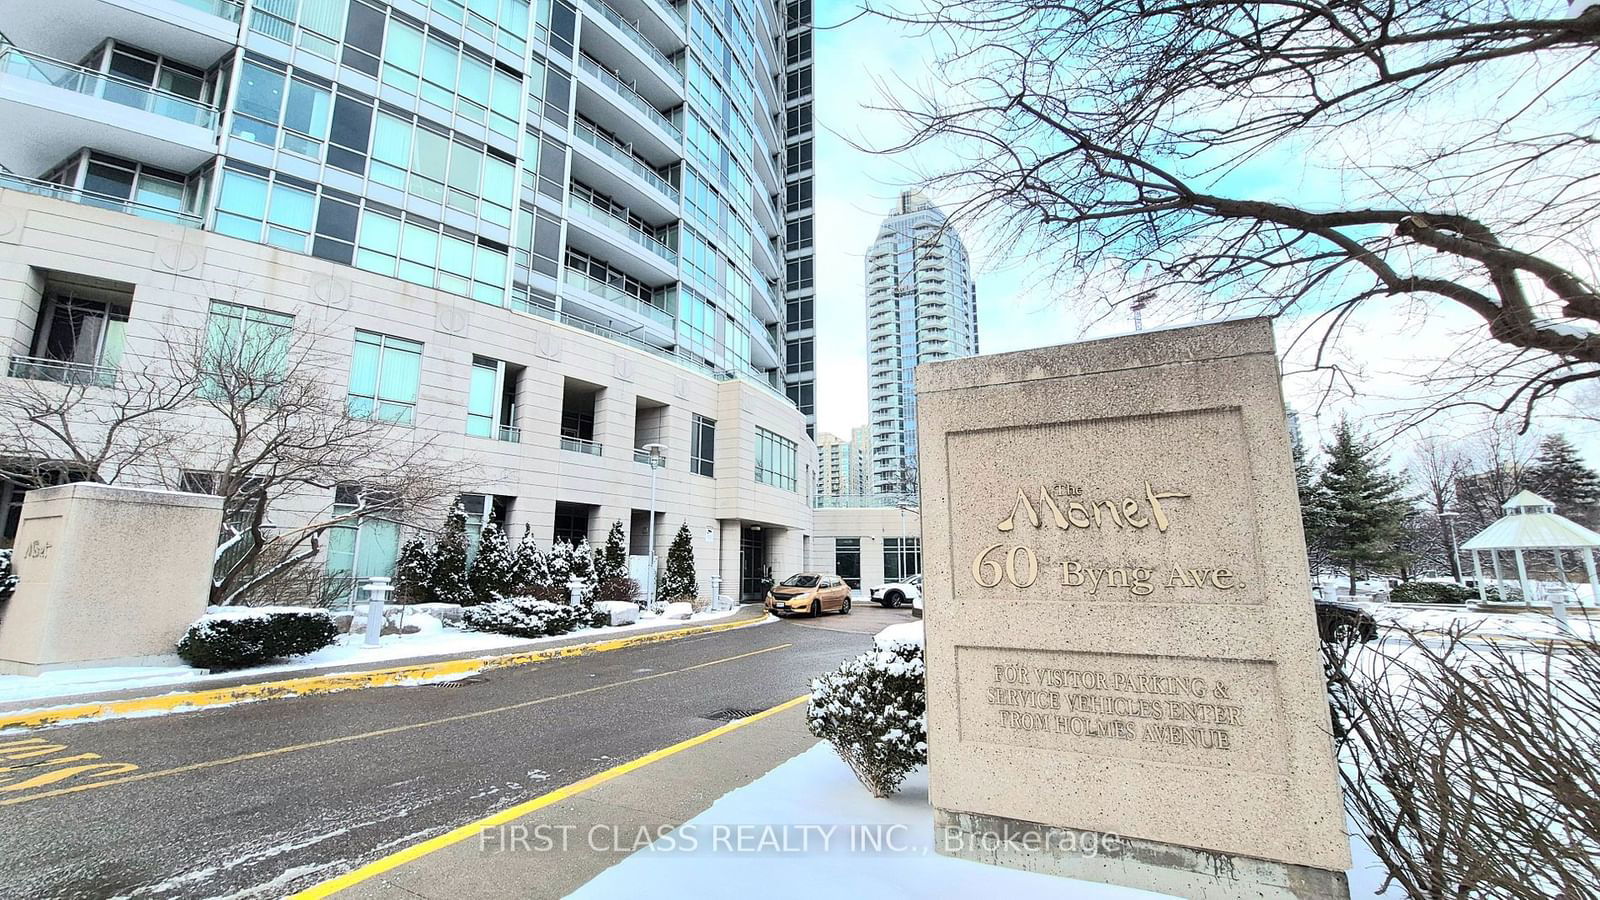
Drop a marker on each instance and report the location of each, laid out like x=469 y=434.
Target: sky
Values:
x=856 y=189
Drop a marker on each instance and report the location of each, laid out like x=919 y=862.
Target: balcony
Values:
x=508 y=433
x=579 y=445
x=599 y=233
x=38 y=368
x=90 y=198
x=615 y=309
x=613 y=170
x=633 y=116
x=196 y=32
x=616 y=35
x=49 y=106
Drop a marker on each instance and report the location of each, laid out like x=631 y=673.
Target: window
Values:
x=702 y=445
x=902 y=558
x=481 y=509
x=800 y=274
x=799 y=312
x=798 y=158
x=362 y=546
x=492 y=400
x=273 y=109
x=276 y=213
x=847 y=560
x=775 y=460
x=697 y=324
x=78 y=337
x=799 y=84
x=247 y=342
x=798 y=356
x=384 y=376
x=797 y=196
x=417 y=251
x=799 y=232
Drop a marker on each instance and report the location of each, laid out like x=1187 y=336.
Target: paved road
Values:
x=265 y=798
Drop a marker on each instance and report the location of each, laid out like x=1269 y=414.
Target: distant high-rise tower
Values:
x=922 y=306
x=844 y=465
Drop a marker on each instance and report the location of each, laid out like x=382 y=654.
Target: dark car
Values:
x=1344 y=623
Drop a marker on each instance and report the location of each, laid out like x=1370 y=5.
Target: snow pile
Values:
x=874 y=712
x=525 y=617
x=901 y=633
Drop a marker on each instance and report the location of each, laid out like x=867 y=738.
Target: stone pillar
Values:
x=108 y=576
x=728 y=551
x=1123 y=673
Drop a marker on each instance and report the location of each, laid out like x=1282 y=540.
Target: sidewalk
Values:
x=282 y=679
x=582 y=830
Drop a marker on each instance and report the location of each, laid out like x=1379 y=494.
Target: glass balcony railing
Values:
x=580 y=445
x=632 y=96
x=633 y=32
x=232 y=10
x=600 y=142
x=38 y=368
x=14 y=62
x=511 y=434
x=758 y=330
x=90 y=198
x=617 y=226
x=616 y=295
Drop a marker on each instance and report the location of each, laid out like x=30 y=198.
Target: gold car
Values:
x=809 y=593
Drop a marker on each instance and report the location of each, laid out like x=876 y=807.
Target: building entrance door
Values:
x=752 y=565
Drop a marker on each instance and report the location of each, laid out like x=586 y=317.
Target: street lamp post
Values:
x=1449 y=521
x=657 y=459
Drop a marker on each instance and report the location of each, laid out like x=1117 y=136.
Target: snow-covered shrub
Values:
x=8 y=576
x=233 y=638
x=525 y=617
x=873 y=710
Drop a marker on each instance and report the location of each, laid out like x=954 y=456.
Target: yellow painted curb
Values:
x=471 y=829
x=339 y=681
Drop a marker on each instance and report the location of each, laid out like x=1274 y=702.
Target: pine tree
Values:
x=583 y=569
x=611 y=561
x=558 y=565
x=530 y=573
x=493 y=571
x=1559 y=475
x=679 y=582
x=413 y=573
x=1305 y=481
x=450 y=584
x=1361 y=511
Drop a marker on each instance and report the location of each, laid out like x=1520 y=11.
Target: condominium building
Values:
x=922 y=305
x=842 y=465
x=561 y=231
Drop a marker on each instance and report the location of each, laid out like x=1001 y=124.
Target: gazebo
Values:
x=1530 y=525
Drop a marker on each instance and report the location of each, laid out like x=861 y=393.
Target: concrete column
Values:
x=728 y=553
x=613 y=422
x=600 y=523
x=1522 y=579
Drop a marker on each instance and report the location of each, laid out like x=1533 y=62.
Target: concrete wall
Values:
x=871 y=525
x=176 y=272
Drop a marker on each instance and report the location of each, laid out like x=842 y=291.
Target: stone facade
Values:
x=1120 y=635
x=174 y=273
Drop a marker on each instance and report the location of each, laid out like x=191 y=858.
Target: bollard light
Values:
x=377 y=589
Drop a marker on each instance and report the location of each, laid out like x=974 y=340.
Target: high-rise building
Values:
x=922 y=305
x=799 y=365
x=843 y=466
x=593 y=219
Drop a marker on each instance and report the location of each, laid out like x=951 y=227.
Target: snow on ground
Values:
x=1524 y=625
x=816 y=789
x=783 y=820
x=349 y=649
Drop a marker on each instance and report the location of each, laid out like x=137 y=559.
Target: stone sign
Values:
x=106 y=576
x=1121 y=641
